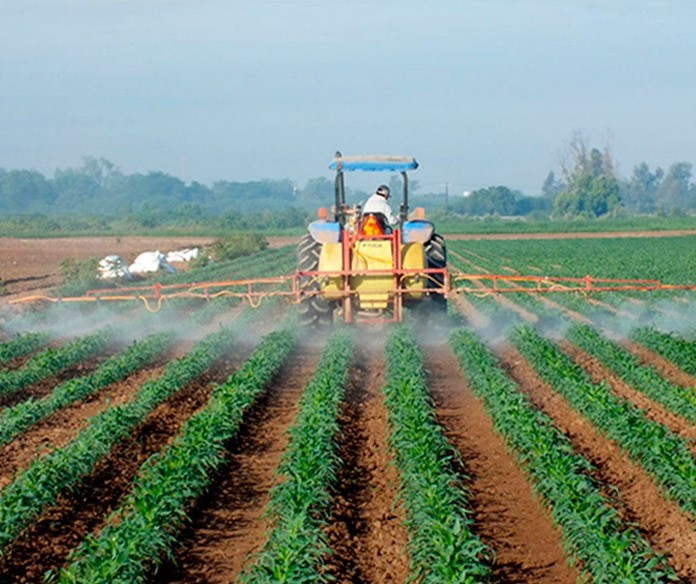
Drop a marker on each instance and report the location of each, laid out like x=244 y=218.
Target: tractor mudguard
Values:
x=413 y=258
x=417 y=230
x=331 y=260
x=323 y=231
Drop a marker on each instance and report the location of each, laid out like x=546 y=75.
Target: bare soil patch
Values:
x=509 y=517
x=652 y=409
x=227 y=525
x=367 y=533
x=638 y=499
x=47 y=542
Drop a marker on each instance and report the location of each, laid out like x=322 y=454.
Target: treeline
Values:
x=99 y=189
x=97 y=196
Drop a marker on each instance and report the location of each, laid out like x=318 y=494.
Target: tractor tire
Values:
x=436 y=257
x=314 y=311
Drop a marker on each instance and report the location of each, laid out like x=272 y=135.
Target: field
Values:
x=532 y=439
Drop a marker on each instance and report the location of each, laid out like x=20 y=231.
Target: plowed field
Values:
x=367 y=528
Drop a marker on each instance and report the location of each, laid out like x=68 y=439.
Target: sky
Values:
x=482 y=92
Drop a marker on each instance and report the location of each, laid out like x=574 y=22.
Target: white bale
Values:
x=150 y=261
x=184 y=255
x=111 y=267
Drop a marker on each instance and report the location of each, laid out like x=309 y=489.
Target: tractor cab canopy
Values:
x=370 y=163
x=373 y=163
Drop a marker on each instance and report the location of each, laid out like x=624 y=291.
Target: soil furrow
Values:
x=664 y=367
x=639 y=500
x=61 y=427
x=367 y=534
x=45 y=386
x=652 y=409
x=46 y=543
x=227 y=525
x=508 y=516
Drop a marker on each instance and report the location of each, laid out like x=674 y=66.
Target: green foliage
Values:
x=21 y=345
x=17 y=419
x=79 y=274
x=671 y=346
x=300 y=503
x=238 y=245
x=143 y=529
x=589 y=196
x=442 y=545
x=38 y=486
x=592 y=532
x=52 y=361
x=680 y=400
x=662 y=453
x=499 y=200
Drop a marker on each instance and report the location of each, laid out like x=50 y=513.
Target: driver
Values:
x=378 y=203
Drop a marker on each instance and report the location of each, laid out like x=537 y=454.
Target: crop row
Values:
x=301 y=501
x=661 y=452
x=21 y=345
x=442 y=545
x=39 y=485
x=671 y=346
x=593 y=535
x=679 y=399
x=17 y=419
x=139 y=534
x=52 y=361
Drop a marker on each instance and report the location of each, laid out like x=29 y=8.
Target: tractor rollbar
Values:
x=340 y=190
x=403 y=214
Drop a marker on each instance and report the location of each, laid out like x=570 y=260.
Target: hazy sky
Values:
x=482 y=92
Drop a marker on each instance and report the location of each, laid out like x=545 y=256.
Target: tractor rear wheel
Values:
x=313 y=310
x=436 y=258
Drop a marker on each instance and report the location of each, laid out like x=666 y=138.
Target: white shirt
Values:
x=378 y=204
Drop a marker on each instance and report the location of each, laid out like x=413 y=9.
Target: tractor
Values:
x=356 y=267
x=360 y=268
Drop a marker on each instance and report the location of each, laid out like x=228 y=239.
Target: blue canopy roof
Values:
x=375 y=163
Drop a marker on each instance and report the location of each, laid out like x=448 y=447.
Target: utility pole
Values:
x=446 y=196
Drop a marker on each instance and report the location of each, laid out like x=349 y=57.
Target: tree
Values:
x=317 y=192
x=589 y=196
x=498 y=200
x=591 y=189
x=676 y=192
x=639 y=194
x=552 y=186
x=25 y=191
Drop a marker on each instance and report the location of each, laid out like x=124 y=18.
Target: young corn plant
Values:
x=21 y=345
x=680 y=400
x=301 y=502
x=142 y=532
x=671 y=346
x=52 y=361
x=442 y=545
x=604 y=549
x=39 y=485
x=662 y=453
x=19 y=418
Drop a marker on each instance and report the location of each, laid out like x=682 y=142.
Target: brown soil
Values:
x=227 y=526
x=33 y=265
x=61 y=427
x=508 y=516
x=665 y=368
x=660 y=521
x=46 y=543
x=367 y=533
x=474 y=317
x=45 y=386
x=652 y=409
x=366 y=530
